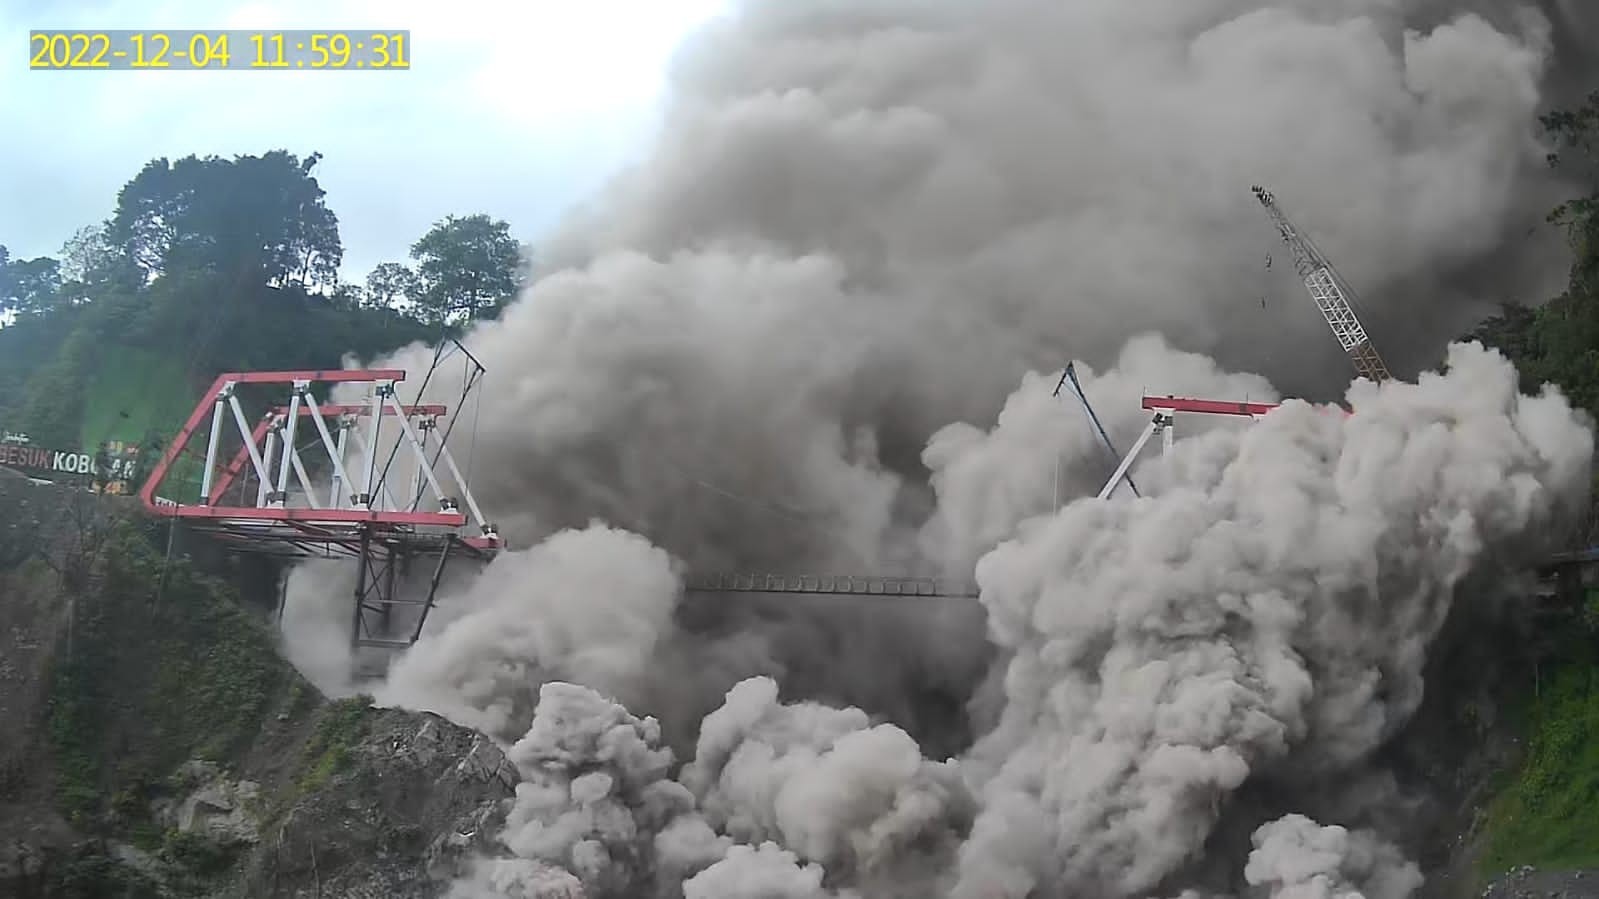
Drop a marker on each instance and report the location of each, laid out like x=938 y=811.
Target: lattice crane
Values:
x=1332 y=298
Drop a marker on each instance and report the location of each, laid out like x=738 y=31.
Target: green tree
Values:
x=467 y=268
x=1559 y=341
x=29 y=287
x=390 y=285
x=261 y=218
x=1576 y=136
x=92 y=267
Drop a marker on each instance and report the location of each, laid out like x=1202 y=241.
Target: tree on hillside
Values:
x=29 y=287
x=257 y=217
x=91 y=266
x=1576 y=136
x=467 y=268
x=391 y=284
x=1559 y=341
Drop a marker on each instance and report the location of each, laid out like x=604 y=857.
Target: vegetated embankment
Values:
x=156 y=745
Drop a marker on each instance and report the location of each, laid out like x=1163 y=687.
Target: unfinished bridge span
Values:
x=375 y=481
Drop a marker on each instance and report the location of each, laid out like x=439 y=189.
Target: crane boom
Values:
x=1330 y=297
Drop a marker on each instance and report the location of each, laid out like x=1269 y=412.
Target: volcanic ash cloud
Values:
x=1268 y=609
x=587 y=605
x=1263 y=612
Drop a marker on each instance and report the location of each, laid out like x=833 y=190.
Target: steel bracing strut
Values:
x=305 y=480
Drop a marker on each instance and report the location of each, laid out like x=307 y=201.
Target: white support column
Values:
x=269 y=452
x=211 y=444
x=341 y=478
x=304 y=479
x=374 y=431
x=466 y=491
x=384 y=492
x=290 y=457
x=421 y=457
x=414 y=498
x=335 y=452
x=1159 y=422
x=1168 y=434
x=247 y=434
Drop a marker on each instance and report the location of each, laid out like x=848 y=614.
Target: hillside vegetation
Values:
x=210 y=265
x=1547 y=814
x=157 y=746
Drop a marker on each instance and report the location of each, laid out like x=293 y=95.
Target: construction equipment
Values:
x=1332 y=294
x=1070 y=374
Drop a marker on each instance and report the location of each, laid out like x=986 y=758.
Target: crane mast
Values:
x=1331 y=298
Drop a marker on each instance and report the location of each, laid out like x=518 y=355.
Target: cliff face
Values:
x=155 y=745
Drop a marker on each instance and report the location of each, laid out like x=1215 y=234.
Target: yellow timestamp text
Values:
x=343 y=50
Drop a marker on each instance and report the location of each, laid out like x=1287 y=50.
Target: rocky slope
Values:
x=155 y=745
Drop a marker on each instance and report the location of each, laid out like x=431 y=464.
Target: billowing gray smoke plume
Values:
x=1268 y=613
x=1263 y=612
x=866 y=220
x=792 y=340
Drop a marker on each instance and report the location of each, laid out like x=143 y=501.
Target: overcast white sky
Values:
x=517 y=108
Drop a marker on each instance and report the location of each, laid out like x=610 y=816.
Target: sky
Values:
x=515 y=109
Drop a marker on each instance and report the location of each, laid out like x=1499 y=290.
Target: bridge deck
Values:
x=930 y=587
x=853 y=585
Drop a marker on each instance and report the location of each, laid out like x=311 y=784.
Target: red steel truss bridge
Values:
x=374 y=481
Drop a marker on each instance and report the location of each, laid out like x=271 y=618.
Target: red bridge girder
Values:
x=356 y=508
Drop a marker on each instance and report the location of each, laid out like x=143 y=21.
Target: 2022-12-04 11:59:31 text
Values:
x=251 y=50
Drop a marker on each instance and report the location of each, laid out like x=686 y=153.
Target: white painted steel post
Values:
x=410 y=437
x=211 y=444
x=360 y=444
x=247 y=434
x=415 y=497
x=466 y=490
x=289 y=457
x=341 y=478
x=374 y=430
x=1160 y=421
x=269 y=452
x=335 y=453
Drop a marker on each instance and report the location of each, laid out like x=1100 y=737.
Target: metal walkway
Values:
x=844 y=585
x=940 y=588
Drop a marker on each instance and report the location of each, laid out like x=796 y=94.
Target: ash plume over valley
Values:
x=819 y=327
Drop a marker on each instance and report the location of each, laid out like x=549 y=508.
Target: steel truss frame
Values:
x=1163 y=422
x=346 y=504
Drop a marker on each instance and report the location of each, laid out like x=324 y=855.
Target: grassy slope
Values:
x=164 y=666
x=132 y=391
x=1547 y=814
x=202 y=672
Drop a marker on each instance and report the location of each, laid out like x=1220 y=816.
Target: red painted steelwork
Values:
x=203 y=409
x=1207 y=407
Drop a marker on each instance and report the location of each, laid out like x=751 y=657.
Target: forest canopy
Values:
x=209 y=264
